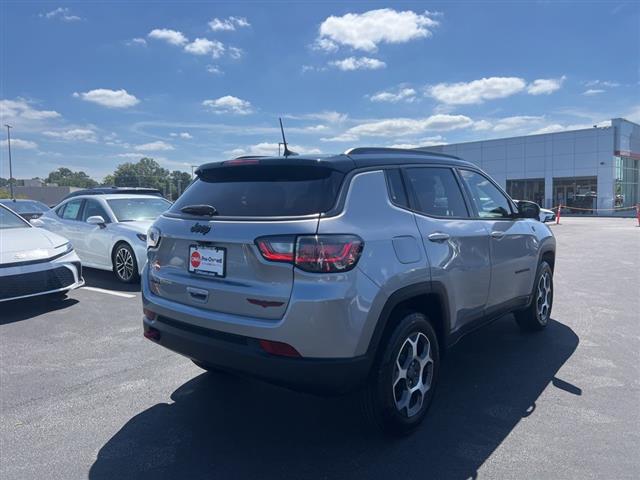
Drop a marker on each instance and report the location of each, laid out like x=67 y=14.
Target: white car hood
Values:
x=25 y=244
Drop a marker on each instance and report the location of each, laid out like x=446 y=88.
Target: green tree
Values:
x=65 y=177
x=148 y=173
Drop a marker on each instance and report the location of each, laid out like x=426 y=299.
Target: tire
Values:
x=125 y=266
x=536 y=316
x=397 y=400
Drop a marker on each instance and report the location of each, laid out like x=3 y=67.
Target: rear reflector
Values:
x=279 y=348
x=277 y=249
x=152 y=334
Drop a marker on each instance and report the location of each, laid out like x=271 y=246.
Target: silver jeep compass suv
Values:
x=335 y=273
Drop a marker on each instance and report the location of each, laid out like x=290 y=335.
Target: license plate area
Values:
x=207 y=260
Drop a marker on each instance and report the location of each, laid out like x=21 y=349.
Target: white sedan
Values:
x=109 y=232
x=34 y=262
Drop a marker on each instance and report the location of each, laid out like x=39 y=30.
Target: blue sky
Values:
x=89 y=85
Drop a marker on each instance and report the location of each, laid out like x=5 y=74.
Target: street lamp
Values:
x=9 y=127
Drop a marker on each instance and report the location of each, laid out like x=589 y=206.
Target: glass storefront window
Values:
x=627 y=182
x=531 y=189
x=581 y=193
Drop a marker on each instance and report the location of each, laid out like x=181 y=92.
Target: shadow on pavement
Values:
x=220 y=426
x=107 y=280
x=26 y=308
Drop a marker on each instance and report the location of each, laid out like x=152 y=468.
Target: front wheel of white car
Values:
x=124 y=263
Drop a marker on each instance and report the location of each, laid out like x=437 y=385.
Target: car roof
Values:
x=113 y=196
x=361 y=157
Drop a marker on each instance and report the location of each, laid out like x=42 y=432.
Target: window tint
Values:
x=71 y=210
x=92 y=208
x=436 y=192
x=489 y=201
x=397 y=193
x=264 y=190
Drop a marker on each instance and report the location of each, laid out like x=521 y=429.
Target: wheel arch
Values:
x=428 y=298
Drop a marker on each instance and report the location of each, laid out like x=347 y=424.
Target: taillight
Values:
x=313 y=253
x=277 y=249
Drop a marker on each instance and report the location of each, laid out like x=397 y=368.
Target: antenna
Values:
x=286 y=152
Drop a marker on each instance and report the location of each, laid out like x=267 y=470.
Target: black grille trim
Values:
x=35 y=282
x=224 y=336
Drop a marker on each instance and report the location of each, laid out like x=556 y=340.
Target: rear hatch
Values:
x=212 y=262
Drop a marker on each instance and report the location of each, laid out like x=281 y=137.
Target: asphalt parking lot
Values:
x=85 y=395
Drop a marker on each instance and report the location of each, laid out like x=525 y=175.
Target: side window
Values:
x=489 y=201
x=71 y=210
x=60 y=210
x=93 y=208
x=436 y=192
x=395 y=186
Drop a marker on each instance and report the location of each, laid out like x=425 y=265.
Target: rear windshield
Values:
x=264 y=191
x=134 y=209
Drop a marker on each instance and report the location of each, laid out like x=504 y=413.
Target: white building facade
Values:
x=591 y=171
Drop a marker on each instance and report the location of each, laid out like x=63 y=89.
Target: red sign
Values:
x=196 y=259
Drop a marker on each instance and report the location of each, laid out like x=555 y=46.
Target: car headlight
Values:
x=64 y=248
x=153 y=237
x=141 y=236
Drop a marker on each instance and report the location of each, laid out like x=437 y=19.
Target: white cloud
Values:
x=109 y=98
x=229 y=104
x=271 y=149
x=592 y=91
x=602 y=83
x=424 y=142
x=515 y=122
x=557 y=127
x=365 y=31
x=20 y=109
x=402 y=127
x=325 y=45
x=405 y=94
x=141 y=42
x=130 y=155
x=21 y=144
x=74 y=134
x=204 y=46
x=60 y=13
x=545 y=86
x=326 y=116
x=214 y=69
x=185 y=135
x=158 y=146
x=482 y=125
x=358 y=63
x=476 y=91
x=173 y=37
x=235 y=52
x=228 y=24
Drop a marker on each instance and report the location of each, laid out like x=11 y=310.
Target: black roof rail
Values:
x=250 y=156
x=390 y=150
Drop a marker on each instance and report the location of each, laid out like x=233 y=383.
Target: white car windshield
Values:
x=133 y=209
x=11 y=220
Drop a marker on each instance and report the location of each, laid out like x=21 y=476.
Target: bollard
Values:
x=558 y=215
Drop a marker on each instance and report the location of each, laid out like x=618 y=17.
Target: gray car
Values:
x=339 y=273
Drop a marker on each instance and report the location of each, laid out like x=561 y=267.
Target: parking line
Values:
x=109 y=292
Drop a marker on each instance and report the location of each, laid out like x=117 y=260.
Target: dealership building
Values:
x=593 y=171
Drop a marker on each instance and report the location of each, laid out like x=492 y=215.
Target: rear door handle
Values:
x=438 y=237
x=497 y=235
x=198 y=294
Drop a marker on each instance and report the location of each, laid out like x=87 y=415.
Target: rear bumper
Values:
x=243 y=355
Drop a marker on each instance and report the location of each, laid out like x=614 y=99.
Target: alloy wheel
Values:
x=124 y=264
x=544 y=298
x=412 y=374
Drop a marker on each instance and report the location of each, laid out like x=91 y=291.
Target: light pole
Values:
x=9 y=127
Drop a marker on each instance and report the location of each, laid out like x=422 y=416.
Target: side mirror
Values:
x=36 y=222
x=97 y=220
x=528 y=209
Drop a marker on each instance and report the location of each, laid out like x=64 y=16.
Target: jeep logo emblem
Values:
x=203 y=229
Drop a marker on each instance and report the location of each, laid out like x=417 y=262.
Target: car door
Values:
x=513 y=242
x=96 y=239
x=457 y=246
x=70 y=218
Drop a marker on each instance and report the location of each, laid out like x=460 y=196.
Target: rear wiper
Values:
x=200 y=210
